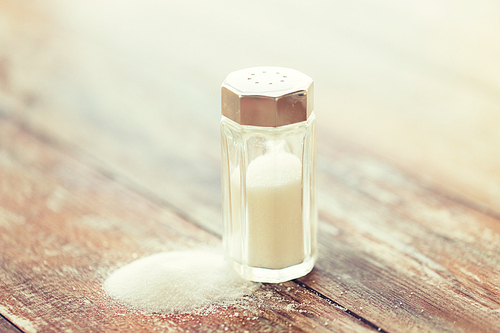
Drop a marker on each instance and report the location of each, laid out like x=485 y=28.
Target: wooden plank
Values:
x=391 y=247
x=65 y=228
x=375 y=262
x=401 y=254
x=384 y=235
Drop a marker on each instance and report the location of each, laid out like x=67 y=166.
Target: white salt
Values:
x=274 y=205
x=274 y=195
x=179 y=281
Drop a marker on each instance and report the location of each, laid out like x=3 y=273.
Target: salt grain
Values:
x=178 y=281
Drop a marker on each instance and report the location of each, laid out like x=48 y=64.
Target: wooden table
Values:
x=109 y=151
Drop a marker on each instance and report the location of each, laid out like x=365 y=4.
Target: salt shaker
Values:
x=268 y=136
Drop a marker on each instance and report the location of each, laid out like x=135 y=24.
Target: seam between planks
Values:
x=341 y=307
x=14 y=326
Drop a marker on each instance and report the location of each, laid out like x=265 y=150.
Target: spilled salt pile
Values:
x=177 y=281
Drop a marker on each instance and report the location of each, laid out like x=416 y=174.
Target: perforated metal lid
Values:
x=267 y=96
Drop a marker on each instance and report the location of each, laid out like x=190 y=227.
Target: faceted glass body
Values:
x=269 y=199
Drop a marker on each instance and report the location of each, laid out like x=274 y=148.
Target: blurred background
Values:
x=135 y=85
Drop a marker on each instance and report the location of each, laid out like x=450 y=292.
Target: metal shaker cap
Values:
x=267 y=96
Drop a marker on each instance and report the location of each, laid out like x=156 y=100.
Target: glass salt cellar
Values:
x=268 y=136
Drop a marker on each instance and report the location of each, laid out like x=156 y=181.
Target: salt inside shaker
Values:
x=268 y=136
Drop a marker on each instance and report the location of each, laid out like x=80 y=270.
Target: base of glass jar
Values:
x=259 y=274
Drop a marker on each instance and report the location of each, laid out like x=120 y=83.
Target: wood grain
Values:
x=419 y=86
x=65 y=228
x=427 y=262
x=109 y=146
